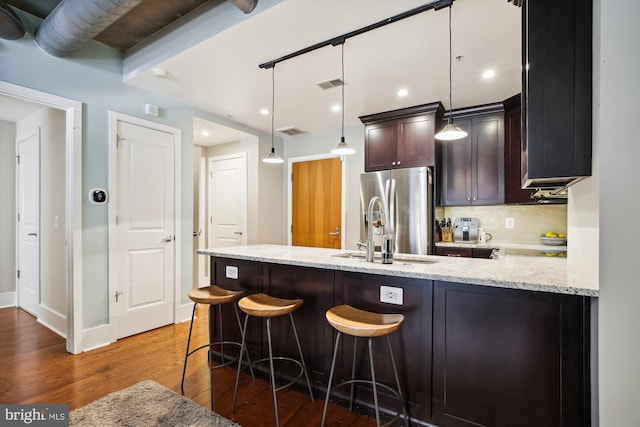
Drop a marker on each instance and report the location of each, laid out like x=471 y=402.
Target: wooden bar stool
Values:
x=214 y=296
x=358 y=323
x=266 y=306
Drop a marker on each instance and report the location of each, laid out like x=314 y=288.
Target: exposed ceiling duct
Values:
x=75 y=22
x=11 y=27
x=246 y=6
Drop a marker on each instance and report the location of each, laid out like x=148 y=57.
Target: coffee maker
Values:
x=465 y=230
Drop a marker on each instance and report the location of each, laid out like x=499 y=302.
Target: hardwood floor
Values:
x=37 y=369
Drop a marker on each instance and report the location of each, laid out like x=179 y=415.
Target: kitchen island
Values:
x=484 y=342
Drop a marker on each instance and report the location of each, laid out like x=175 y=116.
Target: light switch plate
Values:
x=509 y=222
x=391 y=295
x=231 y=272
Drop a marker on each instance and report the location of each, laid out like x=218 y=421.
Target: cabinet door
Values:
x=505 y=357
x=456 y=168
x=411 y=343
x=513 y=154
x=416 y=143
x=380 y=146
x=487 y=183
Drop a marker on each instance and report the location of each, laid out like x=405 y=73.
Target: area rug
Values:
x=146 y=403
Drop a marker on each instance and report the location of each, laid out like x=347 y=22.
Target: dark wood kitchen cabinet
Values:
x=411 y=343
x=467 y=252
x=513 y=154
x=505 y=357
x=557 y=92
x=401 y=138
x=471 y=170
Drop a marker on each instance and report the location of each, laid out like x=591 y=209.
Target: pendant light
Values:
x=273 y=157
x=342 y=149
x=450 y=132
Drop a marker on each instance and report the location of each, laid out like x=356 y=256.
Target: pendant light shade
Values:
x=273 y=156
x=342 y=149
x=450 y=132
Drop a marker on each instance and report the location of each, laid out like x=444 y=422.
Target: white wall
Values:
x=53 y=293
x=617 y=103
x=7 y=213
x=321 y=143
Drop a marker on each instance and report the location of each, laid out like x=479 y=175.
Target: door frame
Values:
x=73 y=204
x=114 y=118
x=323 y=156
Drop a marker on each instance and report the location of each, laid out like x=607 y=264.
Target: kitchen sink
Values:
x=397 y=258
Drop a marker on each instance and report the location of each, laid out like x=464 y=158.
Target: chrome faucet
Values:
x=382 y=222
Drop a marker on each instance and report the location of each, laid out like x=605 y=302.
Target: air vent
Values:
x=291 y=131
x=328 y=84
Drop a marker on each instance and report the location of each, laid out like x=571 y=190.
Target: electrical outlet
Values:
x=391 y=295
x=231 y=272
x=510 y=222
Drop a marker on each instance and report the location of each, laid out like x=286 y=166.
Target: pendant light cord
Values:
x=343 y=83
x=450 y=72
x=273 y=104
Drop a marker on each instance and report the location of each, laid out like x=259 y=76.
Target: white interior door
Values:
x=145 y=229
x=28 y=259
x=228 y=200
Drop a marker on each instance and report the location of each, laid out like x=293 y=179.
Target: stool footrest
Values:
x=286 y=359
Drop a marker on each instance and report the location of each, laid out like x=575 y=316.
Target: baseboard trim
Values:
x=97 y=337
x=184 y=312
x=53 y=320
x=8 y=299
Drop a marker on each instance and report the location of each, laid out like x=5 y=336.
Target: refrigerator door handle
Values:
x=392 y=208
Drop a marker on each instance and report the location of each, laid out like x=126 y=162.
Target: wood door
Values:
x=28 y=171
x=145 y=230
x=228 y=200
x=317 y=203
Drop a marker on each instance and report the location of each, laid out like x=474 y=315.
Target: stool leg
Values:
x=373 y=382
x=186 y=354
x=395 y=372
x=210 y=355
x=273 y=376
x=304 y=367
x=242 y=346
x=353 y=372
x=235 y=306
x=219 y=310
x=333 y=364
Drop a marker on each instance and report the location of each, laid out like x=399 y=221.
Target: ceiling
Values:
x=220 y=74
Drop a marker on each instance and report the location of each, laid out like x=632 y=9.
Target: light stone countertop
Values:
x=516 y=272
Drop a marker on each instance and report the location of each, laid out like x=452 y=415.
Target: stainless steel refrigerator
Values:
x=407 y=196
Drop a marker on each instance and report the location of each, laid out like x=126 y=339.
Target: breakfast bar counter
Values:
x=515 y=272
x=493 y=342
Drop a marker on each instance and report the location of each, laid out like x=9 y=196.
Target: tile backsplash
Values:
x=529 y=220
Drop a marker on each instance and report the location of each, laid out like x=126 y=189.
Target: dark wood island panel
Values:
x=467 y=354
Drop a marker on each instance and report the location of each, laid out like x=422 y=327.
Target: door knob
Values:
x=238 y=233
x=168 y=239
x=335 y=233
x=33 y=234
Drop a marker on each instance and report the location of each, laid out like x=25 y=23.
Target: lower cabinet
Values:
x=457 y=251
x=505 y=357
x=467 y=355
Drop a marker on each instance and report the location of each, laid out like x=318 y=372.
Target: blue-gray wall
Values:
x=93 y=76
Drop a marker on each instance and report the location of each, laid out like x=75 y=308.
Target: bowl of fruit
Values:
x=551 y=238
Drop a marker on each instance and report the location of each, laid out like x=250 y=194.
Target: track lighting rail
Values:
x=335 y=41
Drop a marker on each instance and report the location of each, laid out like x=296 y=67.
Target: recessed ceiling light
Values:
x=403 y=92
x=489 y=74
x=205 y=133
x=264 y=111
x=335 y=107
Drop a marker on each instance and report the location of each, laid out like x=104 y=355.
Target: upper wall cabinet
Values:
x=401 y=138
x=513 y=193
x=471 y=170
x=556 y=103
